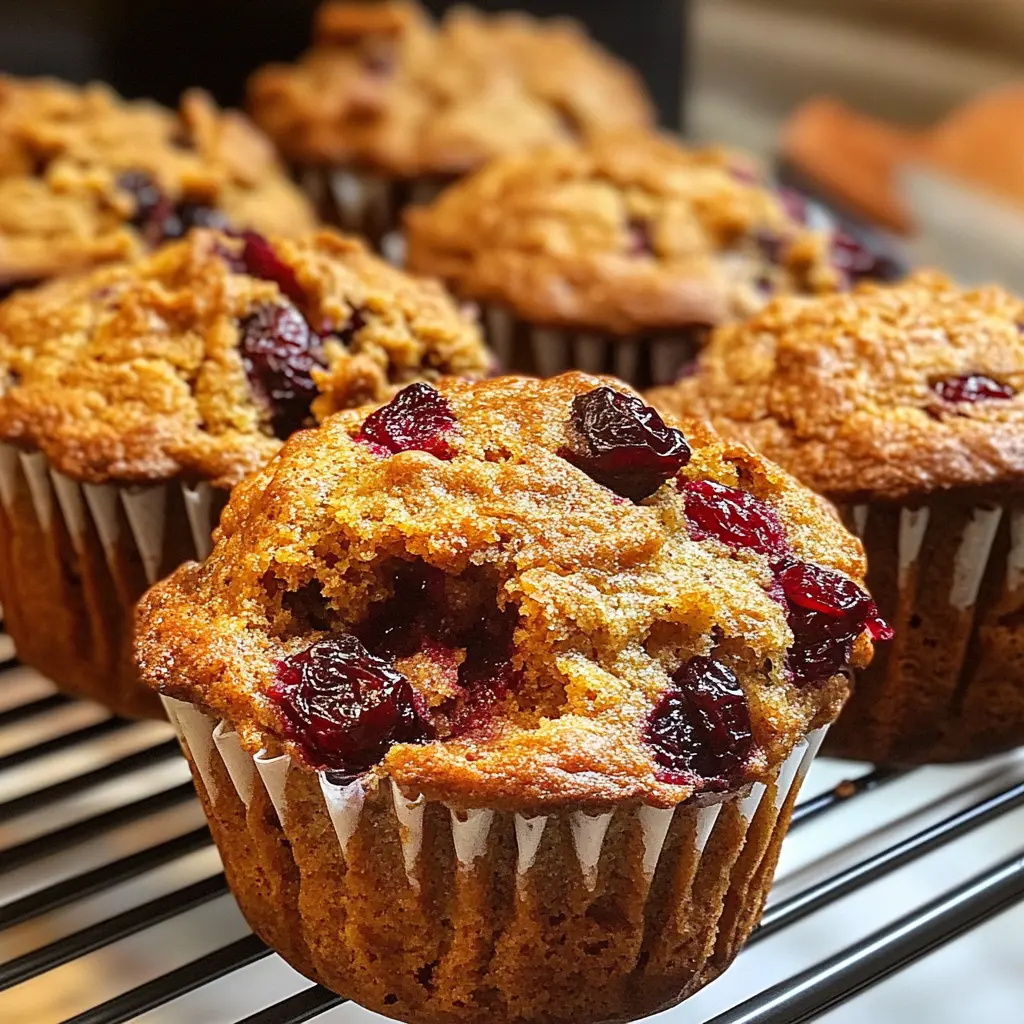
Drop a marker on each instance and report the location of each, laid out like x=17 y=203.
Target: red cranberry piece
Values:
x=860 y=263
x=973 y=387
x=623 y=444
x=734 y=517
x=279 y=353
x=260 y=260
x=416 y=419
x=157 y=217
x=827 y=611
x=344 y=706
x=700 y=729
x=641 y=242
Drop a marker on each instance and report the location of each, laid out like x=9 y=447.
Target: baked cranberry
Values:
x=700 y=729
x=973 y=387
x=623 y=444
x=260 y=260
x=859 y=263
x=641 y=242
x=734 y=517
x=279 y=353
x=157 y=217
x=416 y=419
x=827 y=611
x=345 y=707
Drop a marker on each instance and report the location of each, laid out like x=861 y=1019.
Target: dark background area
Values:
x=160 y=47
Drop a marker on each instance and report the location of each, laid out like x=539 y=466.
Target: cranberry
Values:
x=734 y=517
x=827 y=611
x=260 y=260
x=416 y=419
x=344 y=706
x=157 y=217
x=700 y=729
x=623 y=444
x=859 y=263
x=279 y=353
x=641 y=242
x=973 y=387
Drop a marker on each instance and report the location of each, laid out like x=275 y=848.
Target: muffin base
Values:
x=437 y=915
x=948 y=575
x=643 y=361
x=74 y=559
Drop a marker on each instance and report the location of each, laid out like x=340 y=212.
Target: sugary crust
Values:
x=839 y=389
x=553 y=235
x=611 y=596
x=386 y=89
x=62 y=149
x=132 y=373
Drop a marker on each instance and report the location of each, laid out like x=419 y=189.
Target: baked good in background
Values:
x=133 y=397
x=494 y=712
x=619 y=254
x=903 y=406
x=87 y=177
x=388 y=105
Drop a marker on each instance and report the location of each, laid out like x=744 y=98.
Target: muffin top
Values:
x=195 y=360
x=631 y=232
x=886 y=393
x=385 y=88
x=521 y=594
x=87 y=177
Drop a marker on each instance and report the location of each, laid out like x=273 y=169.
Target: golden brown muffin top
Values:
x=632 y=232
x=87 y=177
x=549 y=617
x=886 y=393
x=192 y=361
x=385 y=88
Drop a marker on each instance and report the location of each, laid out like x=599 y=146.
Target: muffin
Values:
x=87 y=177
x=133 y=397
x=618 y=255
x=902 y=405
x=387 y=106
x=495 y=714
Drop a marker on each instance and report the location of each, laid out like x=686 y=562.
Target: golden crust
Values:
x=839 y=389
x=552 y=235
x=132 y=372
x=62 y=149
x=611 y=597
x=386 y=89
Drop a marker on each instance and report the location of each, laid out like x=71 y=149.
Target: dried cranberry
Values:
x=641 y=242
x=416 y=419
x=157 y=217
x=827 y=611
x=700 y=729
x=279 y=353
x=344 y=706
x=623 y=444
x=973 y=387
x=260 y=260
x=734 y=517
x=859 y=263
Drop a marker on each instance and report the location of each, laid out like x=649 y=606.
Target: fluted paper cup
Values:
x=74 y=559
x=948 y=575
x=431 y=913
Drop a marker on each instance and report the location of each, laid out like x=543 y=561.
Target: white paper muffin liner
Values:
x=742 y=830
x=95 y=549
x=949 y=577
x=643 y=361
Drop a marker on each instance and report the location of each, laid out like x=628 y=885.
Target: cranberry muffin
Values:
x=387 y=105
x=133 y=397
x=497 y=696
x=87 y=177
x=902 y=405
x=618 y=255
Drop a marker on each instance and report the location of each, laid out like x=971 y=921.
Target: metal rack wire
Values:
x=96 y=796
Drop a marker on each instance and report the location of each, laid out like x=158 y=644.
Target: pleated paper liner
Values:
x=948 y=575
x=428 y=913
x=644 y=362
x=75 y=558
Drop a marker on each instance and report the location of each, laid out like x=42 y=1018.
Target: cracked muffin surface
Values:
x=87 y=177
x=196 y=360
x=518 y=594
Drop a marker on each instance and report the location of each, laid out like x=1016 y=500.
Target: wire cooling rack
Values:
x=113 y=906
